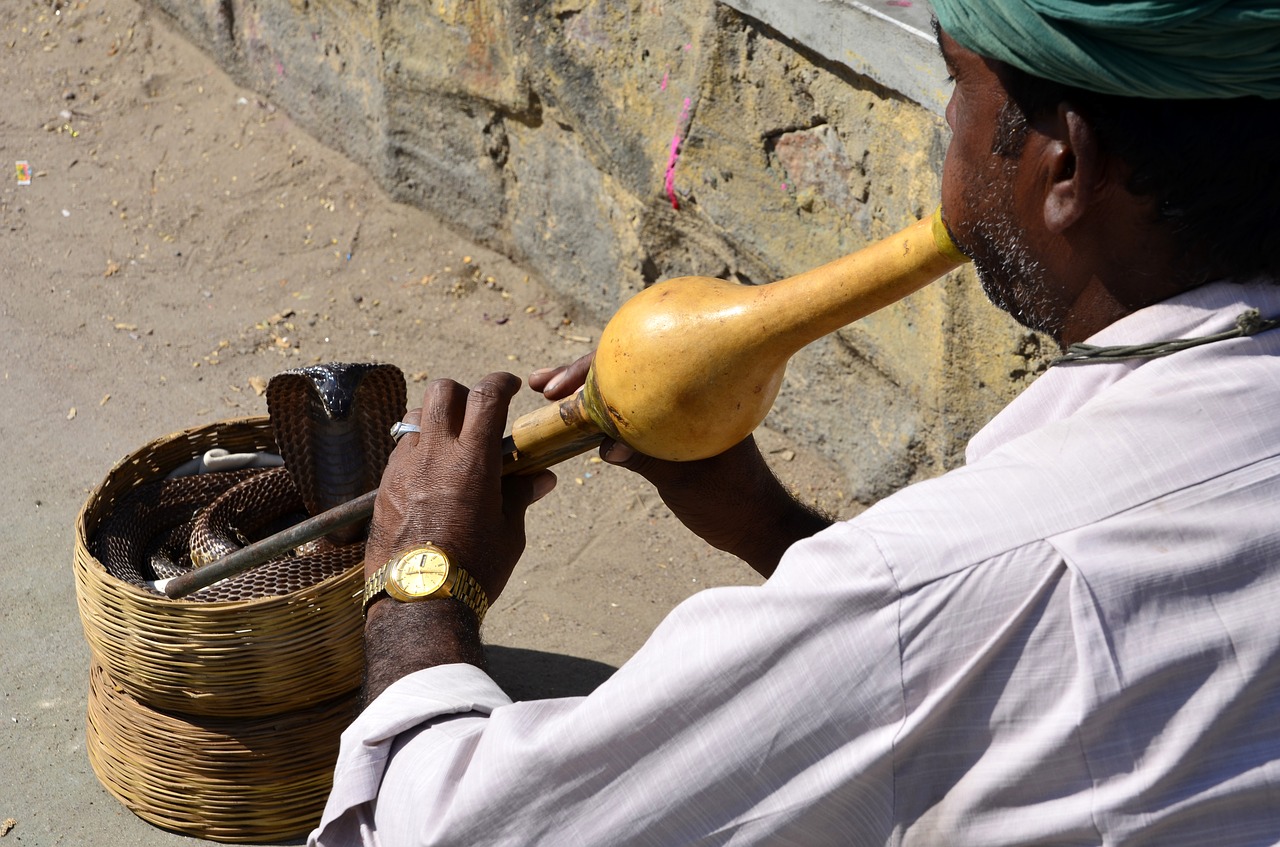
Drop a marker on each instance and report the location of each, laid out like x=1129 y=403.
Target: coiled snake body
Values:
x=331 y=424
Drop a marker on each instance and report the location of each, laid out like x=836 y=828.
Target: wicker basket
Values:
x=220 y=720
x=241 y=658
x=224 y=779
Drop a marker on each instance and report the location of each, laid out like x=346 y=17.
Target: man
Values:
x=1071 y=640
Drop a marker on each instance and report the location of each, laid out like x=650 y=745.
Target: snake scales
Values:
x=331 y=424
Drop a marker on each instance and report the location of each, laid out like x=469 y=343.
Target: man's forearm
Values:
x=790 y=521
x=400 y=638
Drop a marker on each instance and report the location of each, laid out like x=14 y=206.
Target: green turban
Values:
x=1159 y=49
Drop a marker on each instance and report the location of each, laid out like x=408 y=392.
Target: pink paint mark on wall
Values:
x=901 y=4
x=665 y=78
x=674 y=158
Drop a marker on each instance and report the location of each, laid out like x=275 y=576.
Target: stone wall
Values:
x=608 y=144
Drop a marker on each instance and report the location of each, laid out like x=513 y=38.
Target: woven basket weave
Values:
x=220 y=720
x=224 y=779
x=253 y=657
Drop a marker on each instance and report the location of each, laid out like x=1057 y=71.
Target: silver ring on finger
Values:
x=400 y=429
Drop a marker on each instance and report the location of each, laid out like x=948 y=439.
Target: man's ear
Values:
x=1072 y=165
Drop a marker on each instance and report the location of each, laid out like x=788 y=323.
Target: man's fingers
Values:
x=542 y=483
x=539 y=379
x=523 y=490
x=558 y=383
x=624 y=456
x=454 y=416
x=615 y=452
x=443 y=410
x=487 y=405
x=413 y=417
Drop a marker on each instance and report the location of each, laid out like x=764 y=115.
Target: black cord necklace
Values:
x=1248 y=323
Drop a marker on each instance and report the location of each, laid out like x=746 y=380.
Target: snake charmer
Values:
x=1069 y=640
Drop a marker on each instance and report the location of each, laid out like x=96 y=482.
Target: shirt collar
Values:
x=1063 y=389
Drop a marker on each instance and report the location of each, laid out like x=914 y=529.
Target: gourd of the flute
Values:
x=689 y=367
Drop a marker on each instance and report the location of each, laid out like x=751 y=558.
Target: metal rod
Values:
x=282 y=542
x=259 y=552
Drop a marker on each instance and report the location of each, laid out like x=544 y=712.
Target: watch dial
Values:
x=420 y=574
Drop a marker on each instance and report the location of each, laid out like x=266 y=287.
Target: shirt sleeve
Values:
x=727 y=725
x=417 y=699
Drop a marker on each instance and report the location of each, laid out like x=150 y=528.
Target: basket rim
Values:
x=157 y=444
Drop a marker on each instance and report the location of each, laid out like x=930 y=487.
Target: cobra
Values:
x=331 y=425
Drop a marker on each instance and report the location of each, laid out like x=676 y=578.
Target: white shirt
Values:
x=1074 y=639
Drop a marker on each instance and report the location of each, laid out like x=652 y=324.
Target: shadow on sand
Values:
x=535 y=675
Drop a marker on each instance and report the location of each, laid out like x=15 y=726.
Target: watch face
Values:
x=418 y=574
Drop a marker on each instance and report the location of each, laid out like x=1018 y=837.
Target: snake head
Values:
x=330 y=388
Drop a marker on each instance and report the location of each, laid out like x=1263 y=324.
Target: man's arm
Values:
x=732 y=501
x=400 y=638
x=441 y=753
x=444 y=486
x=720 y=724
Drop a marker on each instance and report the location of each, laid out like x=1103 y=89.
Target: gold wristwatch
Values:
x=425 y=573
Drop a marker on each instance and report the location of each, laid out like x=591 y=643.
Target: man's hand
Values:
x=732 y=501
x=445 y=486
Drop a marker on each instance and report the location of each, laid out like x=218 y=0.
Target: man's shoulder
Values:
x=1167 y=428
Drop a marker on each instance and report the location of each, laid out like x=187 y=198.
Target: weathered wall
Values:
x=608 y=144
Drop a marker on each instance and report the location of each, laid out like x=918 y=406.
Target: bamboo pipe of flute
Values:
x=685 y=369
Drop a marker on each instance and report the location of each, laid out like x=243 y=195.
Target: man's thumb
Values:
x=615 y=452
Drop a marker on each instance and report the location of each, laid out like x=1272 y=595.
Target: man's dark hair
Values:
x=1211 y=166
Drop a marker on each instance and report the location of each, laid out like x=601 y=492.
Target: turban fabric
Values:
x=1158 y=49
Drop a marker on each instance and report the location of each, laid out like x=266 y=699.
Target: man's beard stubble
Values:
x=1012 y=278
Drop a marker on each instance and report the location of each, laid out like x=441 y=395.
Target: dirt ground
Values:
x=180 y=241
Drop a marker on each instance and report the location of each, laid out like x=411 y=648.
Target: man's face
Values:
x=980 y=197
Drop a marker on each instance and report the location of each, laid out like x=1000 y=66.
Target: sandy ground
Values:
x=181 y=240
